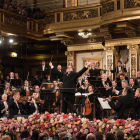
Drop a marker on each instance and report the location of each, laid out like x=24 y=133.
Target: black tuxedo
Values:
x=23 y=92
x=109 y=91
x=69 y=81
x=123 y=103
x=134 y=88
x=60 y=76
x=78 y=84
x=45 y=69
x=116 y=70
x=31 y=108
x=94 y=72
x=1 y=108
x=137 y=106
x=137 y=81
x=13 y=108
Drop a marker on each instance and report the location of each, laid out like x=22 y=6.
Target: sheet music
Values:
x=104 y=104
x=79 y=94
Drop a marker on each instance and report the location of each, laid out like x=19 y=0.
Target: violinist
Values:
x=60 y=77
x=11 y=76
x=125 y=102
x=4 y=106
x=25 y=88
x=137 y=101
x=7 y=90
x=119 y=68
x=114 y=90
x=105 y=80
x=85 y=86
x=37 y=91
x=124 y=85
x=32 y=106
x=132 y=85
x=80 y=82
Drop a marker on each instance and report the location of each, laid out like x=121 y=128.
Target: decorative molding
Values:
x=70 y=57
x=109 y=7
x=67 y=41
x=133 y=65
x=50 y=19
x=91 y=40
x=133 y=48
x=93 y=57
x=85 y=14
x=41 y=27
x=131 y=33
x=15 y=22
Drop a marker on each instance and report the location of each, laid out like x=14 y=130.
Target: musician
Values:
x=16 y=76
x=4 y=106
x=11 y=75
x=14 y=108
x=124 y=85
x=93 y=71
x=125 y=102
x=55 y=85
x=37 y=91
x=25 y=88
x=137 y=80
x=114 y=90
x=119 y=68
x=60 y=77
x=32 y=106
x=7 y=78
x=48 y=79
x=137 y=101
x=69 y=81
x=36 y=81
x=132 y=85
x=7 y=91
x=122 y=77
x=80 y=82
x=43 y=67
x=105 y=80
x=85 y=86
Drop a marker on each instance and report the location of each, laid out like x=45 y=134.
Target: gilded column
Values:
x=109 y=61
x=70 y=57
x=133 y=55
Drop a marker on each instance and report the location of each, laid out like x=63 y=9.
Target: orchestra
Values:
x=60 y=92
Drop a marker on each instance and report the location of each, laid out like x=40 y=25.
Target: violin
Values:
x=114 y=98
x=8 y=91
x=23 y=99
x=39 y=101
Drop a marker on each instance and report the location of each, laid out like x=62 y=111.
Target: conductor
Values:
x=69 y=85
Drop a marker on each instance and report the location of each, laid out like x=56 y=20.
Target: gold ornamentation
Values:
x=91 y=40
x=69 y=53
x=131 y=33
x=67 y=42
x=133 y=65
x=80 y=15
x=50 y=19
x=41 y=27
x=70 y=57
x=15 y=22
x=129 y=3
x=109 y=7
x=133 y=48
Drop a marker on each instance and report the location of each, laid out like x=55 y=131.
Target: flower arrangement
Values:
x=55 y=123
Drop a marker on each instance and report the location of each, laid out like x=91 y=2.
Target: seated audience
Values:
x=120 y=135
x=110 y=136
x=99 y=136
x=25 y=134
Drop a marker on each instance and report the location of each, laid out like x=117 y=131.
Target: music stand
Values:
x=42 y=73
x=96 y=83
x=103 y=91
x=15 y=82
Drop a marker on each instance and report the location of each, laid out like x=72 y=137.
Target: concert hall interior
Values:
x=70 y=61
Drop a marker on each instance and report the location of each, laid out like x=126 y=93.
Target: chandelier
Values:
x=84 y=34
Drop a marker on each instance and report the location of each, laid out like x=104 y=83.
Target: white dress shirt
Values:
x=36 y=111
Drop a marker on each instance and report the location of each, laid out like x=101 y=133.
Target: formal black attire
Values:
x=13 y=108
x=23 y=91
x=116 y=70
x=137 y=81
x=36 y=81
x=80 y=83
x=123 y=103
x=94 y=72
x=45 y=69
x=68 y=95
x=2 y=106
x=134 y=88
x=110 y=93
x=137 y=106
x=31 y=108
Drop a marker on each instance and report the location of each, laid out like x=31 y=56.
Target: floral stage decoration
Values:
x=54 y=124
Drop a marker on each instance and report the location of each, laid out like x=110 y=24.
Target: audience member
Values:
x=65 y=138
x=11 y=135
x=25 y=134
x=110 y=136
x=35 y=135
x=83 y=137
x=6 y=137
x=99 y=136
x=90 y=136
x=120 y=135
x=43 y=136
x=63 y=134
x=78 y=135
